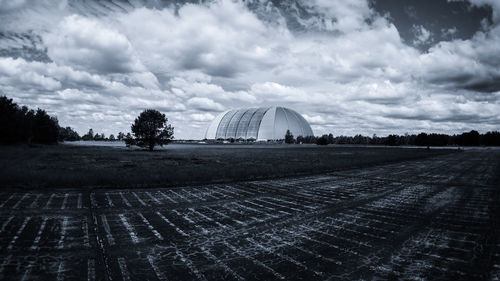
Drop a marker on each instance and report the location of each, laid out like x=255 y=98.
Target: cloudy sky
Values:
x=348 y=66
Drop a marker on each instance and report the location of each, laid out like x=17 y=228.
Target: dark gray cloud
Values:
x=353 y=66
x=28 y=46
x=444 y=19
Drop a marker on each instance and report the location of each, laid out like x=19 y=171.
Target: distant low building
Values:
x=264 y=123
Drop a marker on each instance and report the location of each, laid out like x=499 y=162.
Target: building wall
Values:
x=212 y=129
x=266 y=129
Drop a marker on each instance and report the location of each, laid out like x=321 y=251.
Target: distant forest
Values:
x=472 y=138
x=24 y=125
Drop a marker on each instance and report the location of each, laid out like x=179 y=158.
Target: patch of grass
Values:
x=65 y=166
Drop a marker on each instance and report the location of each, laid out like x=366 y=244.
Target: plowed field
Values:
x=433 y=218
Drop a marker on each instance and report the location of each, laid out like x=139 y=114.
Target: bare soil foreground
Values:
x=433 y=218
x=71 y=166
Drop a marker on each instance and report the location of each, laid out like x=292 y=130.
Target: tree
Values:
x=45 y=128
x=469 y=139
x=99 y=137
x=121 y=136
x=129 y=140
x=491 y=138
x=21 y=124
x=151 y=129
x=16 y=124
x=421 y=139
x=391 y=140
x=309 y=139
x=89 y=135
x=289 y=137
x=68 y=134
x=9 y=119
x=331 y=139
x=111 y=137
x=323 y=140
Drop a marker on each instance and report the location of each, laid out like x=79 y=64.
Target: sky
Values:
x=348 y=66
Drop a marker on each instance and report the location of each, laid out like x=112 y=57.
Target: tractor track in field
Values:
x=433 y=218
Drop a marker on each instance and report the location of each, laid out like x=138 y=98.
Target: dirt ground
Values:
x=434 y=218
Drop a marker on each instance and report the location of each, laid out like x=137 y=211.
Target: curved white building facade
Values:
x=264 y=123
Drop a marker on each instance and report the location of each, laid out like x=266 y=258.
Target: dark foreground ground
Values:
x=435 y=218
x=71 y=166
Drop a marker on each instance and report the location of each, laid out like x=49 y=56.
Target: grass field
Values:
x=69 y=166
x=425 y=218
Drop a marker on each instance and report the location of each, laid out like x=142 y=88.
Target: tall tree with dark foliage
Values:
x=151 y=129
x=45 y=128
x=20 y=124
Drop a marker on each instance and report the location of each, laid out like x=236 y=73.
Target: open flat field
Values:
x=71 y=166
x=433 y=218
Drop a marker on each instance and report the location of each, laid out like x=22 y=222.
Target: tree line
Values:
x=471 y=138
x=150 y=128
x=20 y=124
x=24 y=125
x=89 y=136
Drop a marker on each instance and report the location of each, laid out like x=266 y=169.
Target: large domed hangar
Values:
x=263 y=123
